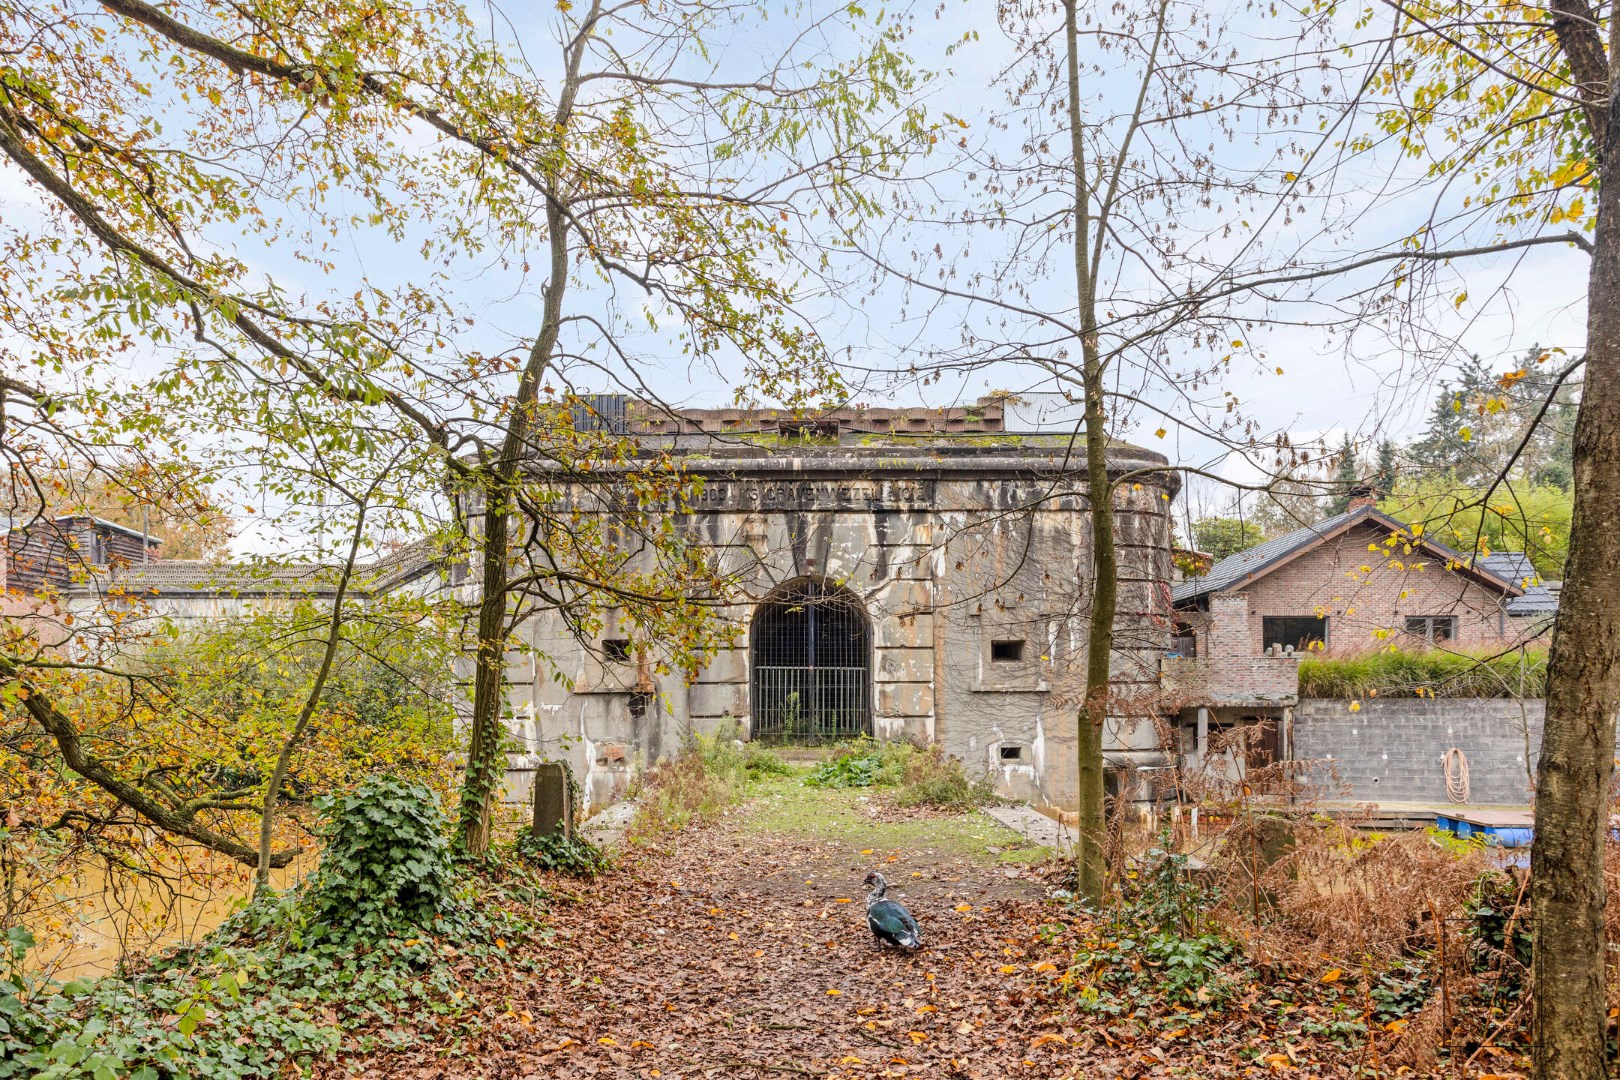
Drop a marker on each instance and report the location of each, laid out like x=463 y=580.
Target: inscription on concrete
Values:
x=815 y=494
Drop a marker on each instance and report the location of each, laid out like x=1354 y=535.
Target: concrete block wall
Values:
x=1392 y=750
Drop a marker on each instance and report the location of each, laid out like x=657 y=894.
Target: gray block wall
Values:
x=1393 y=750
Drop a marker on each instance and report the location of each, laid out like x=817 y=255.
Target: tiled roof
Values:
x=196 y=578
x=189 y=577
x=1245 y=565
x=1515 y=566
x=1234 y=568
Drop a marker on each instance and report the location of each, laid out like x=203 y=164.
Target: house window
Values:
x=1183 y=640
x=1432 y=628
x=1297 y=632
x=1006 y=651
x=616 y=650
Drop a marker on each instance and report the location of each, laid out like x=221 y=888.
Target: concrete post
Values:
x=1201 y=746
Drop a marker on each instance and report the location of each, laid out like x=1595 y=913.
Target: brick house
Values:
x=1359 y=581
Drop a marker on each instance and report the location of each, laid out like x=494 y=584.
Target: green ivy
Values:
x=273 y=991
x=387 y=863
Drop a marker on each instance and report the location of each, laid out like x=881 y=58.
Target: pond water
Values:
x=100 y=918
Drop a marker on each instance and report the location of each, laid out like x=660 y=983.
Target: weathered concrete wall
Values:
x=945 y=553
x=1391 y=750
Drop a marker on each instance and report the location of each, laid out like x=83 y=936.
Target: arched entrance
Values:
x=811 y=648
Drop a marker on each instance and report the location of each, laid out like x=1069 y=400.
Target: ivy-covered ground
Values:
x=739 y=949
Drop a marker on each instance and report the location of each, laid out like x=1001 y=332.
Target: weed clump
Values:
x=931 y=778
x=862 y=762
x=697 y=785
x=1160 y=944
x=925 y=775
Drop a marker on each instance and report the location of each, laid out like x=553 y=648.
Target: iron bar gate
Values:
x=810 y=656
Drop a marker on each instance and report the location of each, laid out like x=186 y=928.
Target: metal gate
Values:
x=811 y=652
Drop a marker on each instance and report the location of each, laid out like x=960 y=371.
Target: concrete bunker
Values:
x=810 y=649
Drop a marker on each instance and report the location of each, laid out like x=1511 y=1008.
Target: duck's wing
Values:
x=891 y=921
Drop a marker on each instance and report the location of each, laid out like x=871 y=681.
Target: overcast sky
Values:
x=1369 y=384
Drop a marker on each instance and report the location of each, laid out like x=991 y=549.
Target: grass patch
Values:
x=1432 y=673
x=790 y=808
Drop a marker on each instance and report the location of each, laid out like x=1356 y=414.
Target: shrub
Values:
x=387 y=860
x=933 y=779
x=1431 y=673
x=863 y=762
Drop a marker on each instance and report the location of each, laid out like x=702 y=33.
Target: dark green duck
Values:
x=889 y=919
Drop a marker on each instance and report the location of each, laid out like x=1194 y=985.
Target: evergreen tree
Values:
x=1384 y=478
x=1346 y=478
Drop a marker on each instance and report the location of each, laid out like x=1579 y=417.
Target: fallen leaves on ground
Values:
x=731 y=955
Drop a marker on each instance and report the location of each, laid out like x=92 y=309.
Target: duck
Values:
x=889 y=920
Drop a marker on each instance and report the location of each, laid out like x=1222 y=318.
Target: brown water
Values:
x=103 y=918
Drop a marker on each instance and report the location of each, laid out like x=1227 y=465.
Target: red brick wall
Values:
x=1362 y=593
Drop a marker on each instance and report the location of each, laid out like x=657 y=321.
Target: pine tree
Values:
x=1384 y=478
x=1346 y=478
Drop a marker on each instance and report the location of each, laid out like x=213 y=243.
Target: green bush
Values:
x=863 y=762
x=1430 y=673
x=387 y=860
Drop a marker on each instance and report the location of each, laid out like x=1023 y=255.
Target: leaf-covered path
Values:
x=742 y=951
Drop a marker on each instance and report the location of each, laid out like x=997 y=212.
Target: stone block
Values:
x=904 y=665
x=553 y=802
x=905 y=699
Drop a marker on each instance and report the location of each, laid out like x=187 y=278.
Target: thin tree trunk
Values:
x=1583 y=696
x=278 y=775
x=1100 y=495
x=501 y=480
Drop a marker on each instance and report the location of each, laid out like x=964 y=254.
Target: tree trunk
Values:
x=1583 y=695
x=1100 y=496
x=484 y=765
x=500 y=482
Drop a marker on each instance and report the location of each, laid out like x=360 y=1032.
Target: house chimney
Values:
x=1361 y=496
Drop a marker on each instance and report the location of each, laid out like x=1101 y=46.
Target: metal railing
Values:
x=810 y=704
